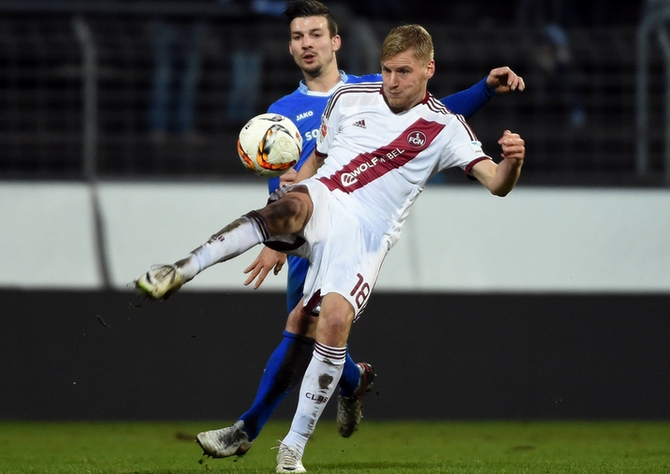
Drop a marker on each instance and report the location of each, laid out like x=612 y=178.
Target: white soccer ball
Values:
x=269 y=145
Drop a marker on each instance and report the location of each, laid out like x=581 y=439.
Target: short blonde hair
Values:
x=405 y=37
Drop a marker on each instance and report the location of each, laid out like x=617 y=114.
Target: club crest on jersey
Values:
x=416 y=139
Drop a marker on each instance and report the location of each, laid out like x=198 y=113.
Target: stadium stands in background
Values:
x=77 y=75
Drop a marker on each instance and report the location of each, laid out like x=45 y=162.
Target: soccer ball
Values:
x=269 y=145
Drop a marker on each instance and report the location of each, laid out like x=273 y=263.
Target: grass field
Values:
x=378 y=447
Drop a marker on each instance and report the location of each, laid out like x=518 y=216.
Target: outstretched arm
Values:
x=499 y=81
x=503 y=80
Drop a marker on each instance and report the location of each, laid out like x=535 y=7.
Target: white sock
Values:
x=231 y=241
x=318 y=386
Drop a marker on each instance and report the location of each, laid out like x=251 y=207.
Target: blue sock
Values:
x=283 y=371
x=351 y=377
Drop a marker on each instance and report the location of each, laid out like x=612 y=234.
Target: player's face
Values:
x=311 y=45
x=405 y=80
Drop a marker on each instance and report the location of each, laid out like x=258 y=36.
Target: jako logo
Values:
x=304 y=115
x=416 y=139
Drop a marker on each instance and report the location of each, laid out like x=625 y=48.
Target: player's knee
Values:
x=335 y=320
x=286 y=215
x=301 y=322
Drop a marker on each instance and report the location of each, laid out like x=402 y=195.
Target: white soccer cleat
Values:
x=289 y=459
x=350 y=409
x=231 y=441
x=161 y=281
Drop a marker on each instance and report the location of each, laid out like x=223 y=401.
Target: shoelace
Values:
x=288 y=452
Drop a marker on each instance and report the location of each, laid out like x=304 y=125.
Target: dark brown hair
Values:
x=304 y=8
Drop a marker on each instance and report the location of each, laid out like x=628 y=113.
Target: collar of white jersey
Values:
x=423 y=101
x=304 y=90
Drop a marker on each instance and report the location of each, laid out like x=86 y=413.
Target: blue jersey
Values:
x=305 y=107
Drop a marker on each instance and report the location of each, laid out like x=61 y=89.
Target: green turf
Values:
x=378 y=447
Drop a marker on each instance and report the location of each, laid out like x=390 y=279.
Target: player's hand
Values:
x=288 y=177
x=266 y=261
x=513 y=147
x=503 y=79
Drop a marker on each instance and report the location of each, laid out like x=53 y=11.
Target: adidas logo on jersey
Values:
x=360 y=123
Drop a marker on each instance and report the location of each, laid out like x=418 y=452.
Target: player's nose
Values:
x=393 y=80
x=306 y=42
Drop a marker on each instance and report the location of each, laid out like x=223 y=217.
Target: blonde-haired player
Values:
x=349 y=203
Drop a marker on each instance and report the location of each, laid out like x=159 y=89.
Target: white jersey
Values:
x=379 y=162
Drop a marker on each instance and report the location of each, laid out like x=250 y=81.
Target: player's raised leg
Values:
x=234 y=239
x=285 y=215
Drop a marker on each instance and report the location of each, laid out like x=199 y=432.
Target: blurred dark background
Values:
x=159 y=89
x=83 y=355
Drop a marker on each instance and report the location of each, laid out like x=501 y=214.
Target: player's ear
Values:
x=430 y=69
x=336 y=42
